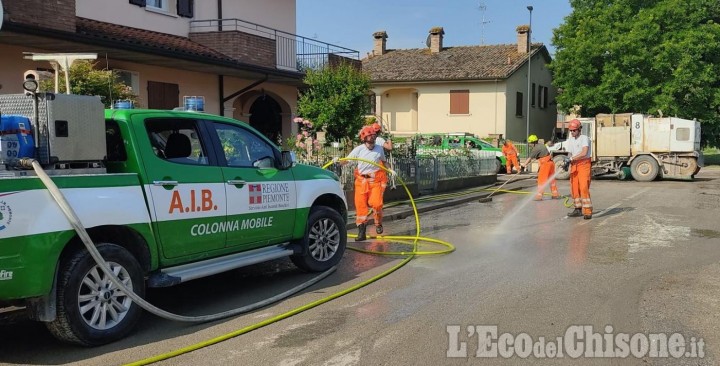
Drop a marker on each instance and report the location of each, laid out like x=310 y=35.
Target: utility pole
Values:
x=529 y=48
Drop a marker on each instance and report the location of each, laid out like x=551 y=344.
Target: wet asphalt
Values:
x=646 y=262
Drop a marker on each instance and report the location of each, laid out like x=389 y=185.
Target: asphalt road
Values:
x=647 y=262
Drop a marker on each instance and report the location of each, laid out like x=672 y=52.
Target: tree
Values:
x=642 y=56
x=336 y=100
x=85 y=79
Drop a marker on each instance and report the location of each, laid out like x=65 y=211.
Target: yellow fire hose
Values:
x=413 y=241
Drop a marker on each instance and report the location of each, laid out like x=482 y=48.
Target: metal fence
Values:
x=425 y=171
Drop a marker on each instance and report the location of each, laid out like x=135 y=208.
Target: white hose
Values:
x=85 y=237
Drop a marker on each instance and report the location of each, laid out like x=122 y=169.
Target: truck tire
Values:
x=561 y=174
x=324 y=242
x=90 y=310
x=644 y=168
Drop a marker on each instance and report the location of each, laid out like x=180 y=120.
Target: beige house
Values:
x=241 y=56
x=477 y=89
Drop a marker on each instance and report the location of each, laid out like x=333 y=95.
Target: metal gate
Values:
x=426 y=173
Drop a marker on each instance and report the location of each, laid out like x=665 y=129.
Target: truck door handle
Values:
x=236 y=182
x=165 y=182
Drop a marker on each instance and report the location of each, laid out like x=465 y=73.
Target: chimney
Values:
x=379 y=48
x=436 y=38
x=523 y=43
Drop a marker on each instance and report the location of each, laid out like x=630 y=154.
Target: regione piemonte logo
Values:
x=255 y=194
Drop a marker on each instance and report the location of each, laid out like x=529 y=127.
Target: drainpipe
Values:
x=496 y=107
x=221 y=93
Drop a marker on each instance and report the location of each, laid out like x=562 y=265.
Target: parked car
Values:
x=448 y=141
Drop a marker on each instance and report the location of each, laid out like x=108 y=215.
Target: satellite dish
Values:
x=427 y=41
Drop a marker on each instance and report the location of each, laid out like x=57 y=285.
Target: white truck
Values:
x=641 y=146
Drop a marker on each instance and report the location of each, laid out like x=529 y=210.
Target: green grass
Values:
x=712 y=156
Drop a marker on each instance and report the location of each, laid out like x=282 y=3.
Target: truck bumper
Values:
x=27 y=265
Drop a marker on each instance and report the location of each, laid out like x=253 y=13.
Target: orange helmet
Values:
x=376 y=126
x=367 y=131
x=575 y=125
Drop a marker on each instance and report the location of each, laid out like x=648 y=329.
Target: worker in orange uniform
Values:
x=370 y=181
x=511 y=157
x=579 y=153
x=546 y=172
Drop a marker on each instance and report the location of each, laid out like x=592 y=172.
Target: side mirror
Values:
x=288 y=159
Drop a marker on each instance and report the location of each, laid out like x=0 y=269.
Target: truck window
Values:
x=243 y=148
x=114 y=142
x=177 y=140
x=682 y=134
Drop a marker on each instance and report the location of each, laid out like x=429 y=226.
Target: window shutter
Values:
x=138 y=2
x=532 y=96
x=459 y=102
x=185 y=8
x=518 y=104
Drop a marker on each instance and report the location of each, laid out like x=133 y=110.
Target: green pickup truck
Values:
x=429 y=143
x=177 y=196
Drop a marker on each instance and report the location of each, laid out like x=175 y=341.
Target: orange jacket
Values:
x=509 y=149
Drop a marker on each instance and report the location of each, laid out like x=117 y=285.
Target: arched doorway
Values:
x=266 y=117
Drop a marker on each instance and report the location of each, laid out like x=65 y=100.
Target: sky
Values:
x=351 y=23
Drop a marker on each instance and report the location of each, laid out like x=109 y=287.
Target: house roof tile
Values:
x=452 y=63
x=145 y=38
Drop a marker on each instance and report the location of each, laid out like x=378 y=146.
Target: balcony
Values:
x=259 y=45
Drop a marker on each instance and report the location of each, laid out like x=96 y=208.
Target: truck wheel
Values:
x=562 y=174
x=91 y=311
x=324 y=242
x=644 y=168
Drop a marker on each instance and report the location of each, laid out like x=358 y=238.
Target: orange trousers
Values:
x=369 y=193
x=511 y=160
x=580 y=185
x=545 y=173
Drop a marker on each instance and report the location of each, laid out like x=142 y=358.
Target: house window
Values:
x=532 y=96
x=518 y=104
x=459 y=102
x=163 y=5
x=544 y=96
x=129 y=78
x=370 y=104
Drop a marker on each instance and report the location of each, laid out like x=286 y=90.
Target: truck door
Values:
x=682 y=135
x=186 y=190
x=261 y=199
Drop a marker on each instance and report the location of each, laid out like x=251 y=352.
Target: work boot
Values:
x=575 y=213
x=587 y=217
x=379 y=229
x=361 y=233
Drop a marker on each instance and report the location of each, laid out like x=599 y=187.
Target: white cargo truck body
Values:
x=641 y=146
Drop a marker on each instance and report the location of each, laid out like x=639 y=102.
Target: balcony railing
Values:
x=293 y=52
